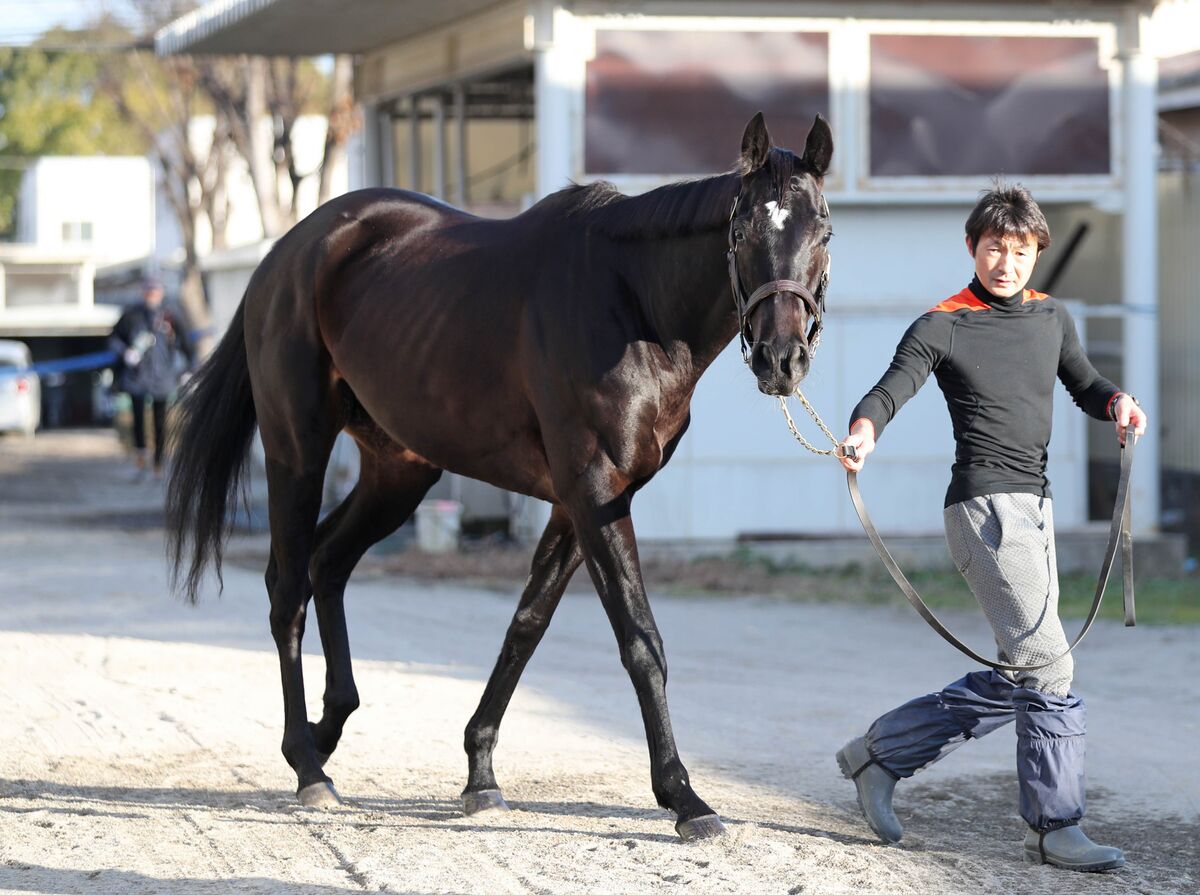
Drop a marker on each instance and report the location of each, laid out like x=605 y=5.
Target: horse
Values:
x=553 y=354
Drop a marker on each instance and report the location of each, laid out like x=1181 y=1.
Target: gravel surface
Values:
x=140 y=747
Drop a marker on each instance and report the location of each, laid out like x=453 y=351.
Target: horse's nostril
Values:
x=762 y=357
x=793 y=361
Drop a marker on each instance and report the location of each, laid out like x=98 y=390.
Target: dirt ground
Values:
x=139 y=749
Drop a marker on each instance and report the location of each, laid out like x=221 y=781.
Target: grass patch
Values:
x=1160 y=601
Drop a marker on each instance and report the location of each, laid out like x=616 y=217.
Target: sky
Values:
x=22 y=21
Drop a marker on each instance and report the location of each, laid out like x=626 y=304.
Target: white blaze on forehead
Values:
x=778 y=215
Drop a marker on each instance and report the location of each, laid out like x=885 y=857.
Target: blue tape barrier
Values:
x=96 y=361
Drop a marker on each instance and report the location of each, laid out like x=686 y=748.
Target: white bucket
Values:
x=438 y=525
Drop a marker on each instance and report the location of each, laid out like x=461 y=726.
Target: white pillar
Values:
x=1139 y=281
x=556 y=77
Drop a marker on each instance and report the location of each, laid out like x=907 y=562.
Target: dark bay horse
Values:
x=554 y=354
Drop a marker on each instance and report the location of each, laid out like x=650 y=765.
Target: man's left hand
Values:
x=1127 y=413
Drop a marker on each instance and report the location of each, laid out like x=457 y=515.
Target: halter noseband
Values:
x=815 y=304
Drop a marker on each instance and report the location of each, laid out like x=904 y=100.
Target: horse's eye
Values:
x=828 y=236
x=739 y=233
x=794 y=184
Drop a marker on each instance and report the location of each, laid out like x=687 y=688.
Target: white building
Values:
x=926 y=100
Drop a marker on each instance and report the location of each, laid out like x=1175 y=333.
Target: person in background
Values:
x=153 y=351
x=996 y=349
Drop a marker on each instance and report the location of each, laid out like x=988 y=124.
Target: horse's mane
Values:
x=675 y=209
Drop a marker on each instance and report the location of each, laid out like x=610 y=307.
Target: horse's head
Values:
x=779 y=234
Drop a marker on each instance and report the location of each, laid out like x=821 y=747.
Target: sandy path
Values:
x=139 y=746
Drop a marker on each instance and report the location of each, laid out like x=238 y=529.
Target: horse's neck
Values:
x=688 y=298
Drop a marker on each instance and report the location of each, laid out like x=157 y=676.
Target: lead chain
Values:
x=816 y=417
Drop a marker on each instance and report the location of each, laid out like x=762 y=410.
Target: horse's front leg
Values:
x=605 y=532
x=554 y=560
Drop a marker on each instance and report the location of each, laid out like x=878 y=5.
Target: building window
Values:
x=964 y=105
x=77 y=231
x=676 y=102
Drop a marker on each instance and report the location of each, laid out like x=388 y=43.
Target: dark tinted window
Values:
x=669 y=102
x=945 y=105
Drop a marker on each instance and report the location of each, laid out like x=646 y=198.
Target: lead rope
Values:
x=1119 y=538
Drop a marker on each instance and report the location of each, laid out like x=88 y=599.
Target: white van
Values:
x=20 y=390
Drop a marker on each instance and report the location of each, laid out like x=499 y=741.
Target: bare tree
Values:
x=161 y=100
x=263 y=99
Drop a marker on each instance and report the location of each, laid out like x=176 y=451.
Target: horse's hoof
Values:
x=708 y=826
x=323 y=757
x=483 y=800
x=319 y=795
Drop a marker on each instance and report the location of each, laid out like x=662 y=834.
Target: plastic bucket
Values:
x=438 y=525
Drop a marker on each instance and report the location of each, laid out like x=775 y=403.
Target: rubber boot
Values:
x=875 y=787
x=1070 y=849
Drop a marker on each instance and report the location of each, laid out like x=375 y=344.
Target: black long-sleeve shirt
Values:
x=995 y=360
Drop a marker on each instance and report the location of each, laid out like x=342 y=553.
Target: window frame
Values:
x=849 y=180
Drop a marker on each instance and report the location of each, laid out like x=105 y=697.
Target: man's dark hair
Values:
x=1008 y=210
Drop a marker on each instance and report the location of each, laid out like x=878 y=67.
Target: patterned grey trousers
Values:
x=1003 y=544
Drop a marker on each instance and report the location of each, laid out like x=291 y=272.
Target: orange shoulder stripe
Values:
x=1030 y=295
x=963 y=300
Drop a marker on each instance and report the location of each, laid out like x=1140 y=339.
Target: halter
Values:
x=814 y=304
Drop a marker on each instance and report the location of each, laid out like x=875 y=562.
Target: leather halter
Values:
x=814 y=304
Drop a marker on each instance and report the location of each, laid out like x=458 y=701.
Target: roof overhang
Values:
x=316 y=27
x=305 y=27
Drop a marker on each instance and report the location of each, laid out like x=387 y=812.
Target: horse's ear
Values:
x=756 y=144
x=818 y=148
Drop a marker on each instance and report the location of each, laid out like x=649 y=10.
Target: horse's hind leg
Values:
x=390 y=485
x=556 y=557
x=294 y=496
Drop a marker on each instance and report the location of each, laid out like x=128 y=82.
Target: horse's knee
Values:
x=287 y=618
x=642 y=653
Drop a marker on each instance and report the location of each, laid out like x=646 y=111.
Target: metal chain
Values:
x=816 y=417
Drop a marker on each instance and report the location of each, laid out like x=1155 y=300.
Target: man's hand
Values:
x=862 y=439
x=1127 y=413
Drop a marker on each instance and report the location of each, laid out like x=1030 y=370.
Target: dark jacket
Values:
x=159 y=337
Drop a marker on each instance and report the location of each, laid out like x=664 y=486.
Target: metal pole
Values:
x=439 y=145
x=1139 y=280
x=414 y=142
x=372 y=135
x=460 y=139
x=387 y=146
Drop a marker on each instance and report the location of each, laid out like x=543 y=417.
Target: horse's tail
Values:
x=210 y=446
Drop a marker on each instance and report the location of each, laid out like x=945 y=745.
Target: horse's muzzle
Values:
x=779 y=371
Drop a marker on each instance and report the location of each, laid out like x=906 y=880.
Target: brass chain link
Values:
x=816 y=417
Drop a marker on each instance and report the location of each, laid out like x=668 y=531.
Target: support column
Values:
x=414 y=142
x=439 y=146
x=1139 y=279
x=371 y=173
x=460 y=141
x=556 y=73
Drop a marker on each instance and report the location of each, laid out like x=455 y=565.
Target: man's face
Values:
x=153 y=297
x=1004 y=264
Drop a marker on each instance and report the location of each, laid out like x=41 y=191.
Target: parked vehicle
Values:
x=20 y=389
